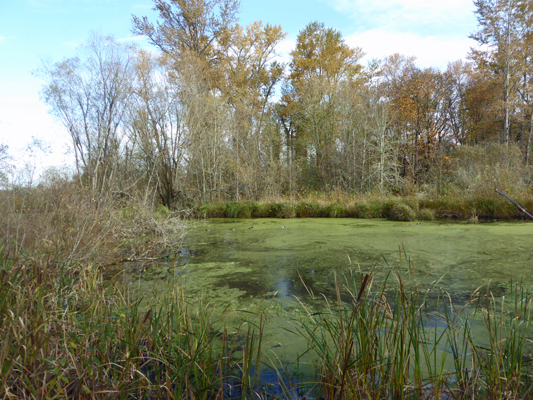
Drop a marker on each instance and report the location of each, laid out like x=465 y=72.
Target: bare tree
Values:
x=89 y=95
x=155 y=122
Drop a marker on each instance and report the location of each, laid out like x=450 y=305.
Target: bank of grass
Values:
x=65 y=333
x=409 y=208
x=68 y=223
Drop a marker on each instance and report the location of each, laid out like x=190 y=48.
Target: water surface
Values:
x=230 y=263
x=269 y=258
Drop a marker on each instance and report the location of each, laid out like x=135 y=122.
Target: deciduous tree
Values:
x=89 y=94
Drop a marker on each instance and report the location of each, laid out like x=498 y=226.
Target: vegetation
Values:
x=66 y=333
x=199 y=120
x=198 y=126
x=406 y=208
x=381 y=343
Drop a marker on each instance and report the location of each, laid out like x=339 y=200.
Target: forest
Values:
x=212 y=116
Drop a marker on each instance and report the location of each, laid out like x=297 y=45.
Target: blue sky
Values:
x=436 y=32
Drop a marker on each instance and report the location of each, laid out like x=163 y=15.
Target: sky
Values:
x=33 y=31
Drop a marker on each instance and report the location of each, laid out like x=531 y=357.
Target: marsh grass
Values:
x=65 y=335
x=66 y=223
x=388 y=342
x=482 y=206
x=402 y=212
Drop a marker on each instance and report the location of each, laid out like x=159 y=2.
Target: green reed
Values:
x=393 y=340
x=82 y=339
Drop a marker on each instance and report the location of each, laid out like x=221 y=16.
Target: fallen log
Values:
x=515 y=203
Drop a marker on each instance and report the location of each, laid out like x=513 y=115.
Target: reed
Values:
x=380 y=345
x=64 y=335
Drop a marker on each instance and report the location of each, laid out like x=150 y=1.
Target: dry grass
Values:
x=66 y=223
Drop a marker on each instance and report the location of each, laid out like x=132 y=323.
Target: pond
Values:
x=230 y=259
x=243 y=262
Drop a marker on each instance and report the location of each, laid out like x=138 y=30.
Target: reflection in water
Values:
x=243 y=267
x=457 y=257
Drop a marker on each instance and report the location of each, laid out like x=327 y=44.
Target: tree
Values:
x=89 y=95
x=156 y=126
x=251 y=75
x=505 y=32
x=5 y=166
x=428 y=115
x=320 y=62
x=192 y=29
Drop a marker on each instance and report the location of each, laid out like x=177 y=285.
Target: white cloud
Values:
x=25 y=117
x=73 y=44
x=436 y=32
x=2 y=38
x=430 y=51
x=409 y=15
x=284 y=49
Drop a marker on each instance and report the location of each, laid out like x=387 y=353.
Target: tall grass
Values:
x=486 y=206
x=67 y=223
x=381 y=345
x=64 y=335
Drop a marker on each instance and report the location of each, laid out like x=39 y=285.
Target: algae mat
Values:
x=233 y=265
x=271 y=256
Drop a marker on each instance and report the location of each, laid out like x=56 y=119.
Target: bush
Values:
x=402 y=212
x=162 y=210
x=305 y=209
x=336 y=210
x=477 y=170
x=426 y=214
x=286 y=210
x=215 y=210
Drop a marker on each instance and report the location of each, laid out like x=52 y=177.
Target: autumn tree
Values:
x=504 y=36
x=191 y=31
x=228 y=65
x=156 y=128
x=320 y=62
x=425 y=105
x=251 y=75
x=89 y=94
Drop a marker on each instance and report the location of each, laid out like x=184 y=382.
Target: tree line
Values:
x=212 y=115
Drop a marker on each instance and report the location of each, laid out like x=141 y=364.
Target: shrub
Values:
x=479 y=169
x=376 y=209
x=305 y=209
x=233 y=210
x=362 y=210
x=402 y=212
x=426 y=214
x=162 y=210
x=262 y=211
x=214 y=210
x=286 y=210
x=336 y=210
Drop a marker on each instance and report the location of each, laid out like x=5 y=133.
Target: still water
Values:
x=229 y=262
x=230 y=259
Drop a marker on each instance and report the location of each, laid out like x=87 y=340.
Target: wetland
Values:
x=294 y=265
x=231 y=262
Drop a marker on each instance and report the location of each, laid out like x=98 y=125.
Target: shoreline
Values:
x=392 y=208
